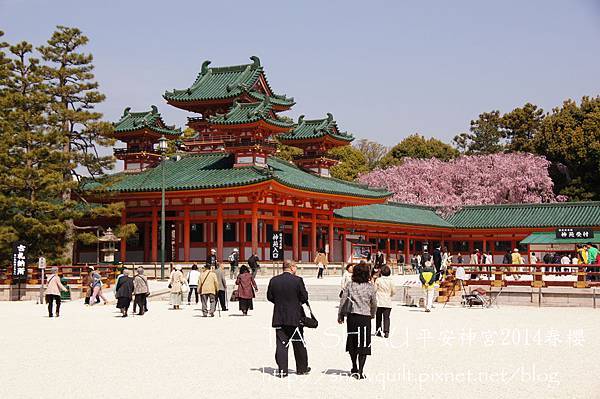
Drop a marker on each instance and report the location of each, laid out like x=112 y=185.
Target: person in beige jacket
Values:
x=208 y=285
x=176 y=281
x=53 y=289
x=321 y=262
x=385 y=292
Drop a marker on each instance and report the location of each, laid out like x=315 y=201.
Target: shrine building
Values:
x=227 y=188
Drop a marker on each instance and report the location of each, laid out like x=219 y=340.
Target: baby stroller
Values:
x=477 y=297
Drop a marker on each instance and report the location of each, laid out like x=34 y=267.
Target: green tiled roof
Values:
x=292 y=176
x=250 y=112
x=550 y=238
x=560 y=214
x=204 y=171
x=189 y=172
x=393 y=212
x=226 y=82
x=132 y=121
x=310 y=129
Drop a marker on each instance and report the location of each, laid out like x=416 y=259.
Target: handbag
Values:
x=309 y=322
x=346 y=307
x=185 y=288
x=234 y=296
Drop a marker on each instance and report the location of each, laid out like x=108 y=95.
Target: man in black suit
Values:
x=288 y=293
x=437 y=259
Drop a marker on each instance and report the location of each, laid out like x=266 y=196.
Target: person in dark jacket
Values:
x=437 y=259
x=124 y=292
x=426 y=257
x=246 y=287
x=253 y=264
x=287 y=292
x=234 y=261
x=211 y=260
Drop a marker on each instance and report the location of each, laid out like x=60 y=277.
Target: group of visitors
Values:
x=210 y=285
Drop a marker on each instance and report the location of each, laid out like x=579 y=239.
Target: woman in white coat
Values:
x=385 y=292
x=176 y=283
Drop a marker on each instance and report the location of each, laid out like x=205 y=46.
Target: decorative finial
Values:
x=255 y=61
x=300 y=119
x=126 y=112
x=329 y=117
x=154 y=109
x=205 y=65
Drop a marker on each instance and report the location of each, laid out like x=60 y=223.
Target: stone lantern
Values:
x=109 y=246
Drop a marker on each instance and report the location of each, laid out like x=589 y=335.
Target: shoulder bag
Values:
x=309 y=322
x=348 y=303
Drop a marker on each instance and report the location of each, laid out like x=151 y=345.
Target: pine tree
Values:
x=74 y=94
x=31 y=162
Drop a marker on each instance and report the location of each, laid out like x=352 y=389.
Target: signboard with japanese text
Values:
x=277 y=245
x=19 y=264
x=574 y=232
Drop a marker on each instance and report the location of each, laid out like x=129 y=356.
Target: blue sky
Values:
x=385 y=69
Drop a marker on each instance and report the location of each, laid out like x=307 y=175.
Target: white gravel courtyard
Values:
x=507 y=352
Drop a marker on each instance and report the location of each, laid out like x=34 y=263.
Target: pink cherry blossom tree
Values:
x=467 y=180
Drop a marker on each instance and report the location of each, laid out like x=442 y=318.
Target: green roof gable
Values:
x=241 y=113
x=310 y=129
x=152 y=120
x=559 y=214
x=205 y=171
x=226 y=82
x=550 y=238
x=393 y=212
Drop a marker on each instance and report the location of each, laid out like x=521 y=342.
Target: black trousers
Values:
x=141 y=302
x=382 y=320
x=320 y=274
x=284 y=335
x=194 y=289
x=221 y=299
x=50 y=300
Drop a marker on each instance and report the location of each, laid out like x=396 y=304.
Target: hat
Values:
x=212 y=250
x=177 y=267
x=235 y=250
x=515 y=250
x=91 y=267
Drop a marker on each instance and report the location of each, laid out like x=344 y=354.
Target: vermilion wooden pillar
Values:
x=295 y=236
x=154 y=257
x=276 y=217
x=242 y=227
x=387 y=249
x=123 y=256
x=330 y=239
x=186 y=233
x=344 y=255
x=220 y=231
x=313 y=236
x=255 y=227
x=406 y=250
x=147 y=239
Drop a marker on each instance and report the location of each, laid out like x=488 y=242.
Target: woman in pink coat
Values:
x=246 y=287
x=53 y=289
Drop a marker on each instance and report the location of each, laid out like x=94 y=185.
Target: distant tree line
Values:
x=568 y=137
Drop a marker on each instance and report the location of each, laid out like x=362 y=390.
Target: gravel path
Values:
x=510 y=352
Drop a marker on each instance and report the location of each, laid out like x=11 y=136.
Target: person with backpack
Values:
x=234 y=261
x=427 y=278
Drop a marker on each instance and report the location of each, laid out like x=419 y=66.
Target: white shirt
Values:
x=565 y=260
x=533 y=260
x=193 y=277
x=575 y=260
